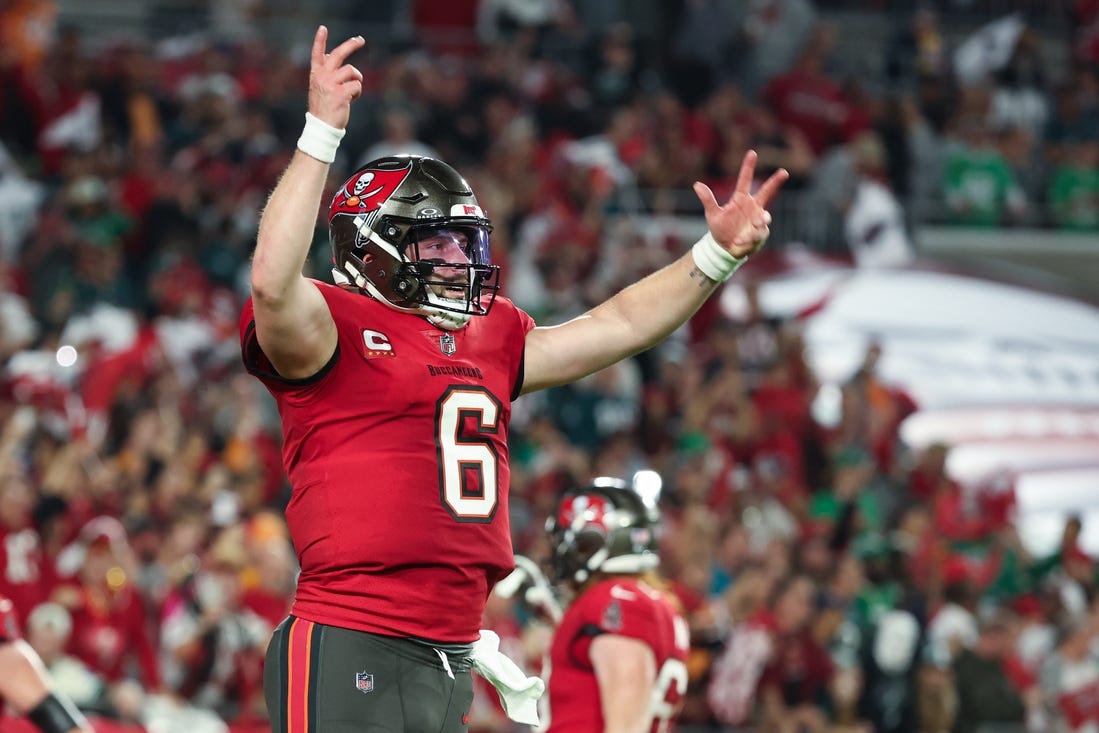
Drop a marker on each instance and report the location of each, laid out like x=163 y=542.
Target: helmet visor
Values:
x=459 y=245
x=452 y=264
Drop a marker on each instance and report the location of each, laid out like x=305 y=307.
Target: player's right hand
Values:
x=333 y=83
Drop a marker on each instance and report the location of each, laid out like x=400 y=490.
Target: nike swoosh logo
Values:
x=618 y=591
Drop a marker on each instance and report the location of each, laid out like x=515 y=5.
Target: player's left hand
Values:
x=742 y=225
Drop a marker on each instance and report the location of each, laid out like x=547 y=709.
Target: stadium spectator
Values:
x=110 y=630
x=23 y=580
x=811 y=102
x=991 y=689
x=731 y=690
x=398 y=138
x=1070 y=678
x=49 y=629
x=1071 y=123
x=797 y=681
x=1074 y=188
x=978 y=183
x=876 y=229
x=211 y=644
x=917 y=51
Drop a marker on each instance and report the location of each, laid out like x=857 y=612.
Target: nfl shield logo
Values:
x=364 y=682
x=447 y=344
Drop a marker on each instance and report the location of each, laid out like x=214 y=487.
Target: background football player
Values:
x=618 y=657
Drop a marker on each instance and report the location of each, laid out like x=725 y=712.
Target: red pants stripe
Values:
x=299 y=691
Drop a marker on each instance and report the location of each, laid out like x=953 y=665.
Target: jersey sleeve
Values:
x=258 y=365
x=619 y=610
x=526 y=325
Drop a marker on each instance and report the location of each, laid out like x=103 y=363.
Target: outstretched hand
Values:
x=333 y=83
x=742 y=225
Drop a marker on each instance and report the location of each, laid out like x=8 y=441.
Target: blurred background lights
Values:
x=66 y=355
x=648 y=484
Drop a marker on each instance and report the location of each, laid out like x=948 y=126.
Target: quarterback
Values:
x=394 y=385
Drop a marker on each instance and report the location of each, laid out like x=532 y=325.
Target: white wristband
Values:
x=319 y=139
x=714 y=260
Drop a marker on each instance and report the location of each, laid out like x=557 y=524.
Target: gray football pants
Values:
x=324 y=679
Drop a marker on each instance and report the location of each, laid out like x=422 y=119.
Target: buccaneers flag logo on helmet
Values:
x=590 y=508
x=367 y=191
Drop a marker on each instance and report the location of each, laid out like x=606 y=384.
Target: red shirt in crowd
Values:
x=22 y=575
x=272 y=607
x=9 y=630
x=799 y=670
x=952 y=519
x=109 y=627
x=816 y=106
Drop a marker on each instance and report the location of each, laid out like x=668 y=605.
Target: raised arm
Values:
x=643 y=314
x=293 y=324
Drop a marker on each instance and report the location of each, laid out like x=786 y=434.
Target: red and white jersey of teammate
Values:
x=23 y=581
x=624 y=607
x=397 y=454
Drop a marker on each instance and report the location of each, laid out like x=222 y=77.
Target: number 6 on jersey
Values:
x=467 y=464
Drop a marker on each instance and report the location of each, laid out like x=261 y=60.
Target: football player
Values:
x=394 y=385
x=23 y=685
x=618 y=657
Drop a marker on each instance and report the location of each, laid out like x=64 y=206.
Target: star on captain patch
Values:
x=447 y=344
x=364 y=682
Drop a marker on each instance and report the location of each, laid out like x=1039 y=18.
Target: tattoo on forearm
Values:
x=703 y=280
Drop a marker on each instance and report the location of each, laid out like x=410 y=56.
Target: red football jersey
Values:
x=626 y=607
x=398 y=459
x=22 y=579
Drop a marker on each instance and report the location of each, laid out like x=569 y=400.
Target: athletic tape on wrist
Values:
x=714 y=260
x=319 y=139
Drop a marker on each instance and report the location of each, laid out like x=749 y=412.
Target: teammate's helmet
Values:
x=382 y=214
x=604 y=527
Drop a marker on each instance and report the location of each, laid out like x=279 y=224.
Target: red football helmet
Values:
x=408 y=231
x=604 y=526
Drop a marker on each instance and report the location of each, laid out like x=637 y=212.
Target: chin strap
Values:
x=447 y=320
x=439 y=317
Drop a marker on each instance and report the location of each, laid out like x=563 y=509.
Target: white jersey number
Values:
x=664 y=705
x=672 y=676
x=22 y=550
x=468 y=464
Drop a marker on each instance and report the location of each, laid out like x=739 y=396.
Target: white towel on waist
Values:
x=518 y=692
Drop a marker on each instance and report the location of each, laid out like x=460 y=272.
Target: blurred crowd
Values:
x=834 y=578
